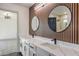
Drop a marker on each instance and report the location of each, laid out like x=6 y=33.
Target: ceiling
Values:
x=25 y=4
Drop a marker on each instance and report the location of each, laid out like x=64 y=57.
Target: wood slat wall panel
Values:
x=69 y=35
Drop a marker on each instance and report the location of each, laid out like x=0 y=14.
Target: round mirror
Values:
x=59 y=18
x=35 y=23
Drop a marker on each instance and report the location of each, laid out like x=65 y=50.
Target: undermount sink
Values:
x=51 y=46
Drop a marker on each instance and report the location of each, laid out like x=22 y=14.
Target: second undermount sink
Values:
x=51 y=46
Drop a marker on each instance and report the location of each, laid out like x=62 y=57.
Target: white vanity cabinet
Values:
x=41 y=52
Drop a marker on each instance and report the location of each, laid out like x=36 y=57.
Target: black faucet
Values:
x=55 y=41
x=32 y=35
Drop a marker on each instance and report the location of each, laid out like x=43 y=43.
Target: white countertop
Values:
x=58 y=50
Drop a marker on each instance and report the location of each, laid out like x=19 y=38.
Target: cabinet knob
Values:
x=49 y=54
x=34 y=54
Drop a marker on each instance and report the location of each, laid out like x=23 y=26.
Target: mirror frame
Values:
x=70 y=20
x=38 y=24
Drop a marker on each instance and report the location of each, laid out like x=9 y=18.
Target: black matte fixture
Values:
x=55 y=41
x=32 y=35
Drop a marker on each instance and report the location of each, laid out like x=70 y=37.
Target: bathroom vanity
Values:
x=40 y=46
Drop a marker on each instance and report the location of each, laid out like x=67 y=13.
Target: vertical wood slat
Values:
x=78 y=23
x=72 y=23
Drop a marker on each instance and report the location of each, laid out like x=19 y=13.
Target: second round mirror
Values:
x=35 y=23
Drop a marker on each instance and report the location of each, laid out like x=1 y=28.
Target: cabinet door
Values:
x=41 y=52
x=32 y=52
